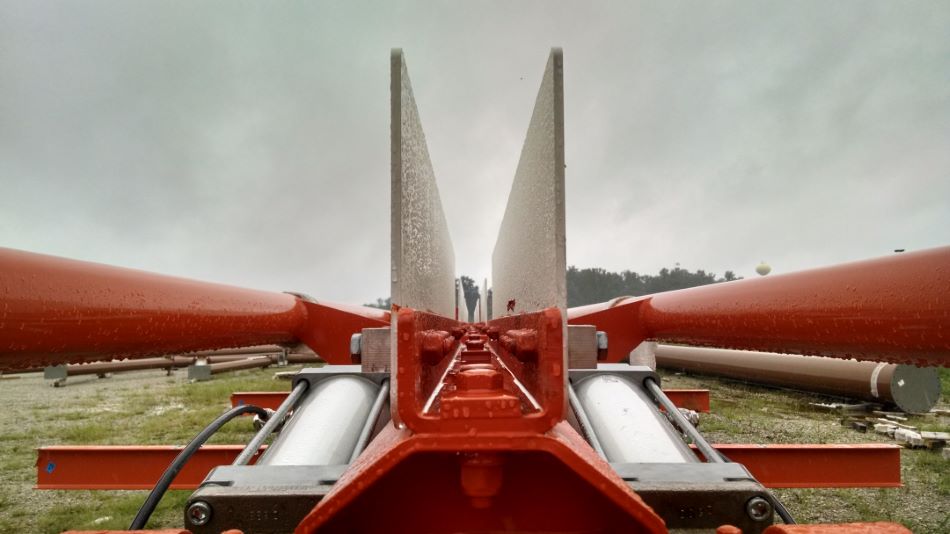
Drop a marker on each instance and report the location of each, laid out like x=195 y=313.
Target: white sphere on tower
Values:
x=763 y=269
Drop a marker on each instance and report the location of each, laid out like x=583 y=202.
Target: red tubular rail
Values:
x=57 y=310
x=895 y=308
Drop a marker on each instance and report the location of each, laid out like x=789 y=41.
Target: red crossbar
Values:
x=133 y=467
x=693 y=399
x=820 y=466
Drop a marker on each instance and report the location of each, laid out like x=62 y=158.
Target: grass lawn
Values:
x=150 y=408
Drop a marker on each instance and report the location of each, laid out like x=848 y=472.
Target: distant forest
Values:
x=592 y=285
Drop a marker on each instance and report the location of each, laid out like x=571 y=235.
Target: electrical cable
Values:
x=151 y=502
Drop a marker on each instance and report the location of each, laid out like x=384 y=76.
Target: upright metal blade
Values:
x=528 y=264
x=423 y=261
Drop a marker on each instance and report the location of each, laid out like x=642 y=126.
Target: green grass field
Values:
x=150 y=408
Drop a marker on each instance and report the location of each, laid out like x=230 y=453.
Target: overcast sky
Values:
x=248 y=143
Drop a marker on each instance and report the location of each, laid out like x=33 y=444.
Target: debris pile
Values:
x=869 y=417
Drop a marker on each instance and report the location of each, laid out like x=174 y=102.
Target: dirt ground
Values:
x=150 y=408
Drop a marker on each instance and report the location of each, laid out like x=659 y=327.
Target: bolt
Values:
x=481 y=477
x=758 y=509
x=601 y=340
x=432 y=346
x=474 y=342
x=479 y=379
x=199 y=513
x=356 y=344
x=522 y=343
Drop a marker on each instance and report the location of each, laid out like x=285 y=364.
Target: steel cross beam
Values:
x=137 y=467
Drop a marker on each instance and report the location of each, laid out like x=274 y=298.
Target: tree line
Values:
x=594 y=284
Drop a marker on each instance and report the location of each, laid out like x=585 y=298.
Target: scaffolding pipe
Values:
x=912 y=389
x=237 y=365
x=100 y=368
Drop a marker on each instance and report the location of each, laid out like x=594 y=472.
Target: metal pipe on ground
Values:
x=101 y=368
x=221 y=367
x=628 y=425
x=256 y=349
x=912 y=389
x=291 y=358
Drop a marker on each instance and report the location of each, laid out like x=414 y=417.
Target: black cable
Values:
x=776 y=504
x=175 y=467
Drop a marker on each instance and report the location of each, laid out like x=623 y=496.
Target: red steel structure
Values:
x=891 y=309
x=58 y=310
x=479 y=427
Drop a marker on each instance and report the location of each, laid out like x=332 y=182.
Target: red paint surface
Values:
x=56 y=310
x=820 y=466
x=880 y=527
x=135 y=467
x=895 y=309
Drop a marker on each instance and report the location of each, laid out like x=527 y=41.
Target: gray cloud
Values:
x=248 y=143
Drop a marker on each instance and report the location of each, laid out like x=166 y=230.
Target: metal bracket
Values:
x=698 y=495
x=272 y=498
x=634 y=373
x=315 y=375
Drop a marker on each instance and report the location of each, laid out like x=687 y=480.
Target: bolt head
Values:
x=480 y=379
x=758 y=509
x=356 y=344
x=475 y=343
x=199 y=513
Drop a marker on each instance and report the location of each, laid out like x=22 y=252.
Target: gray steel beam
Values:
x=528 y=263
x=423 y=261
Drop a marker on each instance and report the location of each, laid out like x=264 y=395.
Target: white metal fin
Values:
x=528 y=263
x=423 y=260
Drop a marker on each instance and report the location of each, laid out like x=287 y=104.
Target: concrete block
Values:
x=375 y=350
x=581 y=347
x=199 y=372
x=644 y=354
x=55 y=372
